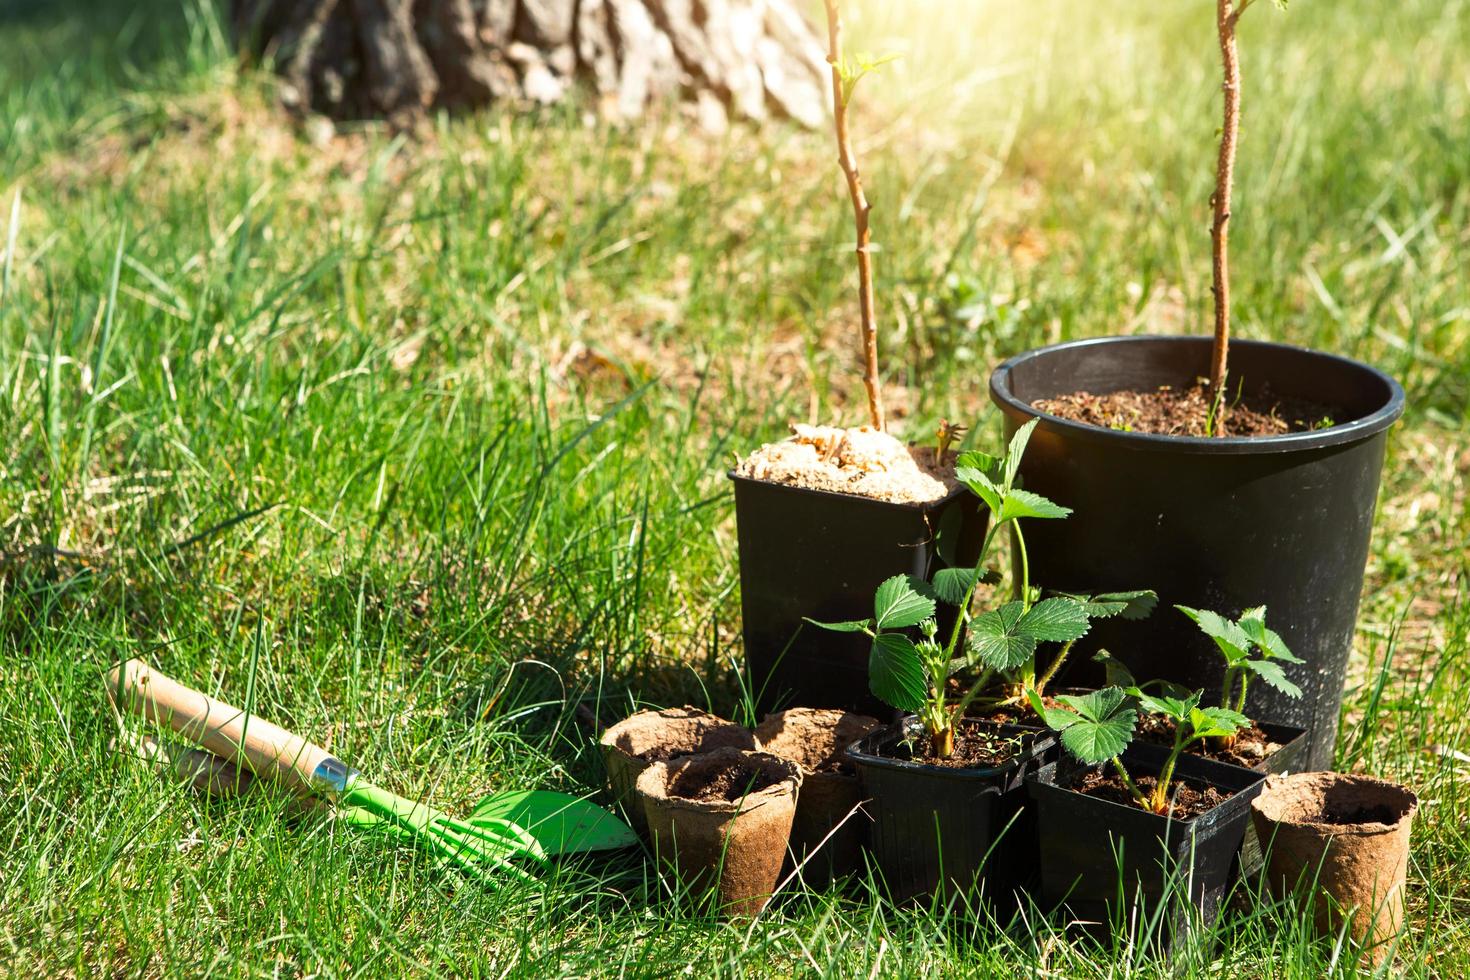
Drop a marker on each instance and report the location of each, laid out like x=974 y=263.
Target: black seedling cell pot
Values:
x=937 y=828
x=1099 y=858
x=1290 y=757
x=1221 y=524
x=809 y=553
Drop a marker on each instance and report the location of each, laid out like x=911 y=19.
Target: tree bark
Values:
x=397 y=59
x=1226 y=17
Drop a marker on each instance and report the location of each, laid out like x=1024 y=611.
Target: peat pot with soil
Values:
x=641 y=739
x=831 y=827
x=825 y=516
x=1226 y=473
x=1343 y=841
x=721 y=821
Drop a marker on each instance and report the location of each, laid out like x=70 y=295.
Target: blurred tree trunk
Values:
x=397 y=58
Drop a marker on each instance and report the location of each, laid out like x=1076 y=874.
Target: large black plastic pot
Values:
x=819 y=554
x=1096 y=854
x=1216 y=523
x=939 y=828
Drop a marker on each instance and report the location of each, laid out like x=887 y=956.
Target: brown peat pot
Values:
x=830 y=828
x=1345 y=837
x=731 y=847
x=811 y=553
x=944 y=830
x=1215 y=523
x=630 y=746
x=1095 y=852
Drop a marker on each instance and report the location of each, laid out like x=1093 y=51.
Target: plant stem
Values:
x=1055 y=666
x=1025 y=584
x=860 y=209
x=1226 y=17
x=1138 y=794
x=1240 y=701
x=972 y=693
x=1160 y=800
x=1226 y=688
x=964 y=606
x=941 y=743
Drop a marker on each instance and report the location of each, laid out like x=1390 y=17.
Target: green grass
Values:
x=414 y=445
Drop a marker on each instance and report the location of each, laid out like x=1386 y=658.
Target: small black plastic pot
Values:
x=1215 y=523
x=939 y=828
x=810 y=553
x=1290 y=757
x=1086 y=843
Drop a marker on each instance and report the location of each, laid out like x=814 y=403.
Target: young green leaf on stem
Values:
x=1237 y=641
x=913 y=675
x=1096 y=728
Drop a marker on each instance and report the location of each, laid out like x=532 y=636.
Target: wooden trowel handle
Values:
x=248 y=741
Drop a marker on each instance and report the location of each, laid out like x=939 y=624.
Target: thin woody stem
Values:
x=860 y=209
x=1226 y=16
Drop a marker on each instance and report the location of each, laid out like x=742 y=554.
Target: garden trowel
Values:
x=504 y=828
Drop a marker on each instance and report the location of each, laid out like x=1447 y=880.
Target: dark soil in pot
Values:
x=1264 y=747
x=1090 y=831
x=1217 y=523
x=1345 y=837
x=639 y=740
x=1175 y=411
x=830 y=828
x=943 y=827
x=721 y=821
x=811 y=553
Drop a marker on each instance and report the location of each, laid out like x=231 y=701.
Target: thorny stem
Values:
x=1226 y=17
x=860 y=209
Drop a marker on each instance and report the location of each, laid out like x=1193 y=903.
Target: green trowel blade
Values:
x=561 y=823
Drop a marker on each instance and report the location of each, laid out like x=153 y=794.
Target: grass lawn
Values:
x=414 y=445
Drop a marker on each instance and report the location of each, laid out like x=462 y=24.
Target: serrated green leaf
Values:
x=1228 y=636
x=895 y=674
x=1055 y=620
x=848 y=626
x=897 y=604
x=987 y=465
x=1216 y=722
x=1098 y=741
x=1019 y=503
x=980 y=485
x=1095 y=705
x=951 y=585
x=1015 y=451
x=1266 y=639
x=1116 y=672
x=993 y=639
x=1137 y=604
x=1272 y=673
x=1175 y=708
